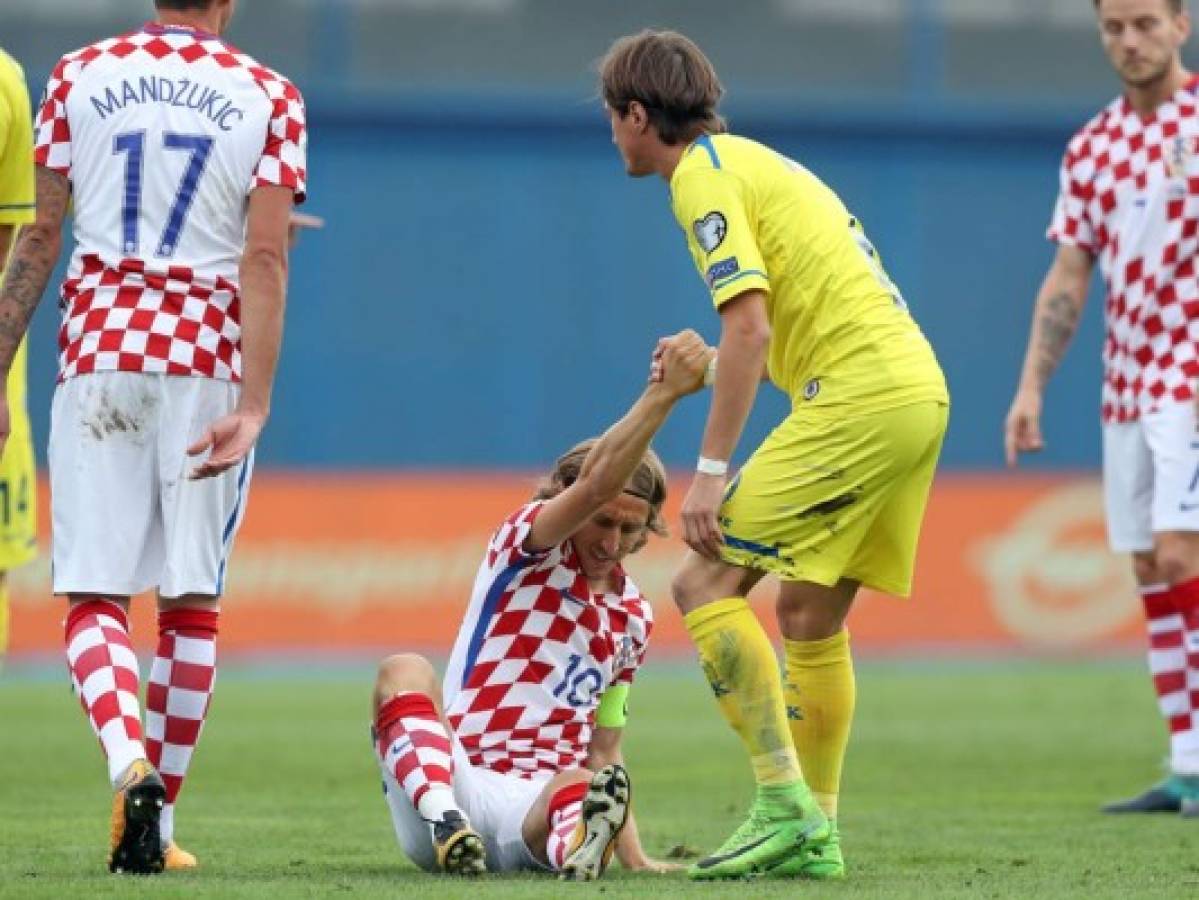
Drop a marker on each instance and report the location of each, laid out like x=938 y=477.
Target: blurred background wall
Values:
x=490 y=282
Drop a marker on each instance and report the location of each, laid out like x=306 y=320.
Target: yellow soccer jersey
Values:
x=17 y=193
x=17 y=205
x=841 y=334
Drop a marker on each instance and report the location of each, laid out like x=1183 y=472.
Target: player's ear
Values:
x=637 y=113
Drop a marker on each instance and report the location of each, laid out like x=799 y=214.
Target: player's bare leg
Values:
x=740 y=665
x=177 y=700
x=820 y=694
x=1168 y=578
x=413 y=741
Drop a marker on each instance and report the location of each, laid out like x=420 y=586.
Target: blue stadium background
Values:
x=490 y=283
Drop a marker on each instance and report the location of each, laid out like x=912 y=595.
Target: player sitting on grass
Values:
x=515 y=763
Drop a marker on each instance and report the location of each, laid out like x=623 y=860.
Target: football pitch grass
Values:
x=963 y=779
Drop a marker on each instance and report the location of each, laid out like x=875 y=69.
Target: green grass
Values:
x=963 y=780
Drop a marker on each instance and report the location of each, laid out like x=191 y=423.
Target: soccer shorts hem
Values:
x=784 y=571
x=126 y=517
x=1151 y=477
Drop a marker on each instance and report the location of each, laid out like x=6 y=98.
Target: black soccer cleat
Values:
x=136 y=846
x=460 y=850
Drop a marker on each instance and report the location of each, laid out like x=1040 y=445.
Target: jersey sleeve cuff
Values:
x=735 y=285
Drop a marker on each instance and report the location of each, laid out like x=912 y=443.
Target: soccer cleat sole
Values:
x=464 y=854
x=605 y=811
x=138 y=849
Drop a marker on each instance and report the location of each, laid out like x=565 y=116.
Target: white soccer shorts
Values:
x=1151 y=477
x=495 y=804
x=126 y=517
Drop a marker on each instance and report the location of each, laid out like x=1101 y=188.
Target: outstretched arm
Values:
x=1055 y=319
x=33 y=260
x=616 y=455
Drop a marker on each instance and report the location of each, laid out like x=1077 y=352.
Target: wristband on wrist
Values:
x=710 y=372
x=707 y=466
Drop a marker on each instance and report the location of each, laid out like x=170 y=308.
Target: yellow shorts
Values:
x=828 y=497
x=18 y=496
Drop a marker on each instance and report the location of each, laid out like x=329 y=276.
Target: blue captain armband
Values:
x=613 y=709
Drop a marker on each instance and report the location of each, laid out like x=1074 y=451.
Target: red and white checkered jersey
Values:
x=163 y=133
x=1130 y=197
x=536 y=652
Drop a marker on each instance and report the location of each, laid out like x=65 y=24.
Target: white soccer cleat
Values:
x=605 y=810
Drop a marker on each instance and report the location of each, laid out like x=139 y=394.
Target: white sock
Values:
x=166 y=824
x=122 y=758
x=435 y=803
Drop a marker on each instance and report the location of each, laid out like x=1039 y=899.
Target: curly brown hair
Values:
x=669 y=75
x=648 y=483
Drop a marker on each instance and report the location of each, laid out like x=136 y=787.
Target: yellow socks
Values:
x=820 y=696
x=742 y=669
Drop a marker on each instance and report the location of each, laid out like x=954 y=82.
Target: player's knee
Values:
x=688 y=590
x=404 y=672
x=1173 y=567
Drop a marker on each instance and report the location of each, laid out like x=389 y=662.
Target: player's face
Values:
x=610 y=535
x=629 y=136
x=1142 y=38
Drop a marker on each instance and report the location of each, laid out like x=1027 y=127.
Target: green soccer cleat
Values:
x=1175 y=794
x=781 y=822
x=816 y=860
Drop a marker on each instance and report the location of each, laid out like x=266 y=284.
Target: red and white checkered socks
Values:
x=414 y=746
x=1168 y=662
x=1184 y=741
x=565 y=809
x=104 y=673
x=177 y=697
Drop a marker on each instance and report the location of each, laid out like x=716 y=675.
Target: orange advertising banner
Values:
x=369 y=563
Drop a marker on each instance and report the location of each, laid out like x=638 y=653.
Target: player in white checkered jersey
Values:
x=183 y=158
x=514 y=763
x=1130 y=200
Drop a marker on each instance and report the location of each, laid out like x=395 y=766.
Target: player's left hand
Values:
x=701 y=524
x=227 y=441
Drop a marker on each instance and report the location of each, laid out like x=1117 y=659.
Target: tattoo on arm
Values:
x=1059 y=321
x=33 y=260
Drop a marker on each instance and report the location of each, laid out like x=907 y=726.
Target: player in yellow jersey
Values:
x=18 y=528
x=834 y=498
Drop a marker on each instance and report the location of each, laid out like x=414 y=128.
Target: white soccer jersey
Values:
x=536 y=652
x=1130 y=196
x=163 y=133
